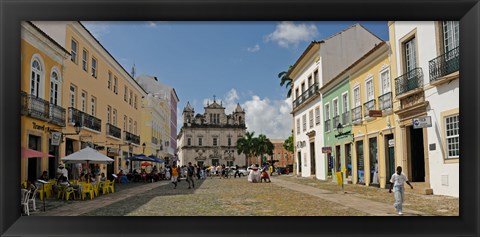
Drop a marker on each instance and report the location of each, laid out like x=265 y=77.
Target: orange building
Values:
x=284 y=157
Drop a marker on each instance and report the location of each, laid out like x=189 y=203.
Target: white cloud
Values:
x=97 y=28
x=254 y=49
x=287 y=33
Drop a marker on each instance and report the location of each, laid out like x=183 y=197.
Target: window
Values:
x=303 y=87
x=309 y=81
x=114 y=119
x=125 y=95
x=84 y=101
x=369 y=89
x=410 y=55
x=385 y=81
x=304 y=122
x=315 y=76
x=35 y=80
x=356 y=96
x=109 y=83
x=335 y=107
x=452 y=136
x=92 y=105
x=94 y=67
x=135 y=127
x=346 y=108
x=85 y=60
x=317 y=115
x=130 y=122
x=310 y=118
x=109 y=109
x=189 y=141
x=229 y=141
x=296 y=93
x=215 y=141
x=54 y=88
x=450 y=35
x=327 y=111
x=115 y=85
x=72 y=95
x=130 y=99
x=298 y=126
x=125 y=122
x=200 y=141
x=135 y=102
x=73 y=51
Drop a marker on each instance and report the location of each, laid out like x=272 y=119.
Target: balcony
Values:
x=42 y=109
x=327 y=125
x=409 y=81
x=131 y=137
x=86 y=120
x=336 y=121
x=385 y=101
x=345 y=118
x=309 y=93
x=444 y=64
x=357 y=114
x=370 y=105
x=114 y=131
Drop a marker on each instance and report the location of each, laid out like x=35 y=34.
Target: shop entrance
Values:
x=360 y=163
x=33 y=164
x=389 y=156
x=312 y=158
x=338 y=162
x=52 y=161
x=417 y=156
x=372 y=148
x=348 y=158
x=299 y=162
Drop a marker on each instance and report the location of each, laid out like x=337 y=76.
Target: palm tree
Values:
x=287 y=81
x=246 y=145
x=264 y=146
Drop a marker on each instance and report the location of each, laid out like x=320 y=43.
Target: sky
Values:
x=237 y=62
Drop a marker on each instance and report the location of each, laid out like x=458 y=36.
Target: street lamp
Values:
x=143 y=146
x=341 y=133
x=77 y=127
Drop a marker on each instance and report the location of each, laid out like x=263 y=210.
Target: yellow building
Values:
x=99 y=95
x=42 y=63
x=372 y=118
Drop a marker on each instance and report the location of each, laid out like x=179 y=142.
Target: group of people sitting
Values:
x=257 y=175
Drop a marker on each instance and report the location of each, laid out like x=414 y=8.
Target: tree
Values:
x=288 y=143
x=264 y=146
x=246 y=145
x=287 y=81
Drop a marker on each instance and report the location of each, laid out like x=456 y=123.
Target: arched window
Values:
x=55 y=88
x=35 y=79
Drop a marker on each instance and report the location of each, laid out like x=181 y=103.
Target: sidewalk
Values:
x=81 y=207
x=370 y=207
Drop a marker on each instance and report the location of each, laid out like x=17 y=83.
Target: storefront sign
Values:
x=422 y=122
x=327 y=149
x=113 y=151
x=42 y=127
x=56 y=138
x=375 y=113
x=391 y=143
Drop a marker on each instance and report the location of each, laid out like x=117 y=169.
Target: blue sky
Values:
x=238 y=62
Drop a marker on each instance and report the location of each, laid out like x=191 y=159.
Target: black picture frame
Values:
x=14 y=11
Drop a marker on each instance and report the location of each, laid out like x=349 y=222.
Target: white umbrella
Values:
x=87 y=155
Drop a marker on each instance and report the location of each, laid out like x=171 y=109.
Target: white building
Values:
x=211 y=138
x=318 y=64
x=427 y=73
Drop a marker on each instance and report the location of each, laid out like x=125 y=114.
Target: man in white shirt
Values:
x=397 y=182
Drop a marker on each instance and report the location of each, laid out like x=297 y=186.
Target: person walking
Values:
x=397 y=182
x=190 y=174
x=174 y=176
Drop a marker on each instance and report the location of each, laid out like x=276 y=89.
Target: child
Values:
x=397 y=181
x=264 y=176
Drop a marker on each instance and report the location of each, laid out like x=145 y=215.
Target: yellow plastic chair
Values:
x=87 y=189
x=69 y=191
x=96 y=188
x=110 y=186
x=61 y=191
x=46 y=191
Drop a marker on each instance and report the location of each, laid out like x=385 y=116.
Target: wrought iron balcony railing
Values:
x=444 y=64
x=86 y=120
x=42 y=109
x=345 y=118
x=311 y=91
x=114 y=131
x=336 y=121
x=357 y=114
x=385 y=101
x=411 y=80
x=131 y=137
x=370 y=105
x=327 y=125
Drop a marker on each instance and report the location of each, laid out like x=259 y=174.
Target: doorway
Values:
x=373 y=148
x=312 y=158
x=348 y=158
x=52 y=161
x=338 y=162
x=389 y=156
x=360 y=163
x=34 y=164
x=299 y=162
x=417 y=156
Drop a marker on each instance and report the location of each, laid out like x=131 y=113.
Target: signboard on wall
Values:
x=327 y=149
x=56 y=138
x=391 y=143
x=375 y=113
x=422 y=122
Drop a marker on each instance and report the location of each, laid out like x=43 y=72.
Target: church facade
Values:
x=211 y=138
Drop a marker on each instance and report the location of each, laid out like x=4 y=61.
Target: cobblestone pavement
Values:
x=285 y=196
